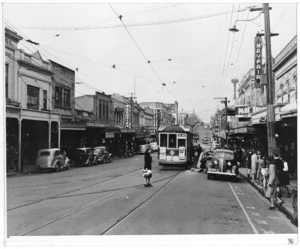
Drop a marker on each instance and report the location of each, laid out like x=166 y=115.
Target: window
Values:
x=163 y=140
x=6 y=80
x=172 y=140
x=33 y=97
x=100 y=108
x=66 y=98
x=58 y=96
x=181 y=142
x=107 y=110
x=44 y=100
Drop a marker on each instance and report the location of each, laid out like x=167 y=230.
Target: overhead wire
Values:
x=137 y=45
x=134 y=24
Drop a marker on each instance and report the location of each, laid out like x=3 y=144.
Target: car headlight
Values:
x=229 y=163
x=215 y=161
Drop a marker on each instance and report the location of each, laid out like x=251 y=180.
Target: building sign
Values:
x=245 y=111
x=127 y=116
x=109 y=134
x=257 y=58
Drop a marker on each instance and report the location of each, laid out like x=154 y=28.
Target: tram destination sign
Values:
x=257 y=58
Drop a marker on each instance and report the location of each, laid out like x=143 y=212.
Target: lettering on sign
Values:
x=257 y=58
x=244 y=111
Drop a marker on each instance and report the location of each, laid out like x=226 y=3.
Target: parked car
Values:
x=84 y=157
x=52 y=159
x=223 y=163
x=154 y=146
x=102 y=155
x=143 y=148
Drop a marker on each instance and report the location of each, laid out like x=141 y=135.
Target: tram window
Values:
x=181 y=143
x=163 y=140
x=172 y=141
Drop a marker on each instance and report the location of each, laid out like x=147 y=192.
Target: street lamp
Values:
x=270 y=83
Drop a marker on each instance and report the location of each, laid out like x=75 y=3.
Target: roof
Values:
x=174 y=128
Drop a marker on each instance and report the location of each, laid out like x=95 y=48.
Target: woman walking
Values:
x=147 y=171
x=273 y=182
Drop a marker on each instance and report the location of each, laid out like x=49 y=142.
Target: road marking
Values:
x=251 y=208
x=239 y=193
x=267 y=232
x=247 y=216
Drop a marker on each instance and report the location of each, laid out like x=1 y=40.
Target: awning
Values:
x=289 y=110
x=73 y=126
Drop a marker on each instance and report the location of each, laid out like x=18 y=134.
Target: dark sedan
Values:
x=223 y=163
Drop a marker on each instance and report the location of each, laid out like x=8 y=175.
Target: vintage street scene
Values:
x=150 y=119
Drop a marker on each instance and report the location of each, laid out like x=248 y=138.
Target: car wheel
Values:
x=68 y=166
x=104 y=160
x=57 y=168
x=208 y=176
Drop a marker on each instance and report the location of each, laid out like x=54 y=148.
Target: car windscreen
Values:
x=45 y=153
x=223 y=154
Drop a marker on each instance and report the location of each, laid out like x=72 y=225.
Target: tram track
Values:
x=115 y=192
x=71 y=191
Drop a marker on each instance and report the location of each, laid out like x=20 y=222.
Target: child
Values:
x=147 y=173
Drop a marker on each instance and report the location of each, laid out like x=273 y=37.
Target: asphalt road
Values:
x=111 y=199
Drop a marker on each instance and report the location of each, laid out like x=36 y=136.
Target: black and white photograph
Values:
x=152 y=124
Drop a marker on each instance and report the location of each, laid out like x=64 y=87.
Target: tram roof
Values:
x=175 y=128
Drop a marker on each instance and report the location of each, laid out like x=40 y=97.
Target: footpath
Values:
x=287 y=206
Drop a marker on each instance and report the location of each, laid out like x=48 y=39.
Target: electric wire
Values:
x=134 y=24
x=147 y=61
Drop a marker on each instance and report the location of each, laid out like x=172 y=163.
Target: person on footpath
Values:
x=248 y=162
x=272 y=183
x=283 y=177
x=253 y=166
x=262 y=172
x=147 y=171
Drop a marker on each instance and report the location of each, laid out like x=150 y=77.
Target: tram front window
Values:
x=163 y=140
x=172 y=141
x=181 y=143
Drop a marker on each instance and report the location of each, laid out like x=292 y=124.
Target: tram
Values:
x=175 y=146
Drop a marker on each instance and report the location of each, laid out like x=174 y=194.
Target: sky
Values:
x=187 y=47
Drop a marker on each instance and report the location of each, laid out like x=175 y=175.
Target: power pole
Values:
x=270 y=81
x=226 y=125
x=270 y=84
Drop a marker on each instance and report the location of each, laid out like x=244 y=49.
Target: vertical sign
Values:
x=127 y=116
x=257 y=58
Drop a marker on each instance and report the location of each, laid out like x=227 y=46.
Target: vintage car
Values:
x=52 y=159
x=102 y=155
x=222 y=163
x=205 y=140
x=83 y=157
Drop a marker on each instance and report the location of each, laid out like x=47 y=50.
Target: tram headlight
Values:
x=229 y=163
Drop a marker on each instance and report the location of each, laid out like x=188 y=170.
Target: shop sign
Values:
x=245 y=111
x=257 y=58
x=127 y=116
x=12 y=110
x=109 y=135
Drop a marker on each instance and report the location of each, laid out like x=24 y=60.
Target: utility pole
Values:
x=270 y=81
x=226 y=125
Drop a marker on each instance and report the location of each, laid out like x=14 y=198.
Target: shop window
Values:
x=32 y=97
x=58 y=96
x=107 y=110
x=66 y=98
x=44 y=100
x=172 y=141
x=163 y=140
x=100 y=108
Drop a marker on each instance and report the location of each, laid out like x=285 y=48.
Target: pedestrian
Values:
x=272 y=183
x=147 y=171
x=248 y=162
x=283 y=177
x=253 y=166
